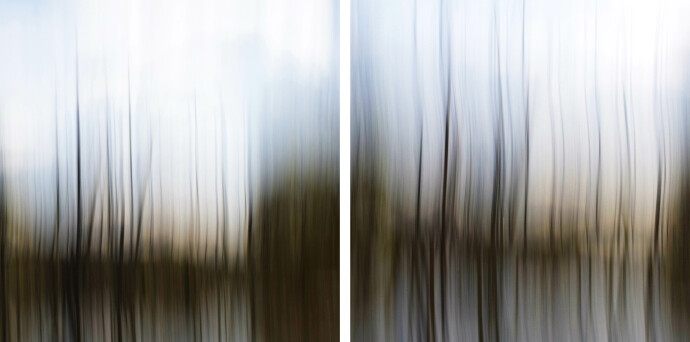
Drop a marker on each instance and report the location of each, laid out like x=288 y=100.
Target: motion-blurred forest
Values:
x=520 y=171
x=285 y=288
x=168 y=171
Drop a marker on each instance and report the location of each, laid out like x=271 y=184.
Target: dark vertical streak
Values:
x=552 y=202
x=215 y=181
x=76 y=269
x=129 y=296
x=496 y=199
x=121 y=252
x=418 y=241
x=197 y=210
x=444 y=233
x=525 y=218
x=142 y=202
x=56 y=238
x=160 y=184
x=657 y=209
x=109 y=221
x=131 y=161
x=562 y=180
x=250 y=255
x=220 y=227
x=657 y=107
x=524 y=226
x=224 y=190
